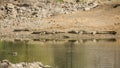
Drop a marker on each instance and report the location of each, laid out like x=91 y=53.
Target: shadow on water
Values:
x=104 y=53
x=94 y=40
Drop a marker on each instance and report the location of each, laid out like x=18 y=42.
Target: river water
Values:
x=103 y=53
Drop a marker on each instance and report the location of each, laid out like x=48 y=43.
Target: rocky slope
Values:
x=25 y=15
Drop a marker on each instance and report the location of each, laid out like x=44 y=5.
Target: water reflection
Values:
x=72 y=40
x=104 y=54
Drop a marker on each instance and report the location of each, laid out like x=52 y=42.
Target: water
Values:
x=103 y=53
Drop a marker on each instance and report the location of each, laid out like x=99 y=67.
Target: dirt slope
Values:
x=104 y=17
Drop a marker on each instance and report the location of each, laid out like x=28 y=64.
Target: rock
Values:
x=11 y=11
x=40 y=64
x=81 y=31
x=116 y=5
x=46 y=66
x=23 y=8
x=5 y=61
x=23 y=64
x=19 y=66
x=86 y=8
x=73 y=32
x=12 y=66
x=7 y=64
x=4 y=64
x=95 y=5
x=66 y=37
x=1 y=14
x=94 y=32
x=34 y=13
x=10 y=6
x=56 y=32
x=87 y=32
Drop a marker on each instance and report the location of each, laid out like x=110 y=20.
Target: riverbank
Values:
x=18 y=19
